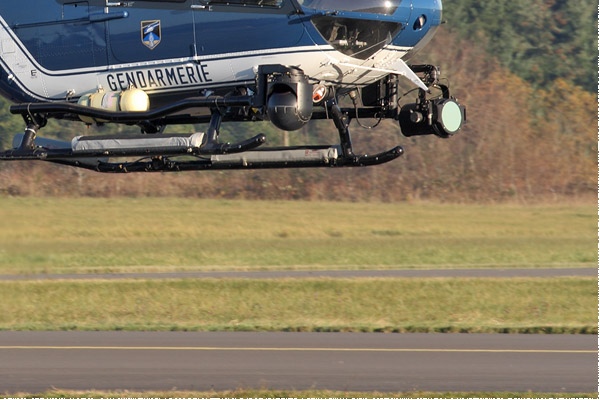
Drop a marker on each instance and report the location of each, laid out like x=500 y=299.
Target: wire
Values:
x=354 y=94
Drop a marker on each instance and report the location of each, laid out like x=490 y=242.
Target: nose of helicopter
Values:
x=424 y=17
x=361 y=28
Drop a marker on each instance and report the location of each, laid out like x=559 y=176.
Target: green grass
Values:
x=161 y=234
x=527 y=305
x=158 y=234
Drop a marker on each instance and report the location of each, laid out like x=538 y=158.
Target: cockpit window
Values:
x=368 y=6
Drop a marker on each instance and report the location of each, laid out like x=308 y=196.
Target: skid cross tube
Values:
x=131 y=117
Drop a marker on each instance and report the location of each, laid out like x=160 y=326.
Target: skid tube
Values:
x=263 y=159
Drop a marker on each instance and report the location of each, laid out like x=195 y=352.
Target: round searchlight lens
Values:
x=451 y=117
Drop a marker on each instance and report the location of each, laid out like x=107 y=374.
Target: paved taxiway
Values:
x=36 y=361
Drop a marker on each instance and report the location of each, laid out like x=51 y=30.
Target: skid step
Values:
x=141 y=145
x=309 y=155
x=108 y=145
x=118 y=145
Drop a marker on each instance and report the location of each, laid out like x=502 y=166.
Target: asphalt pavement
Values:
x=143 y=361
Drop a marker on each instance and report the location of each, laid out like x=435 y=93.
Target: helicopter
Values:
x=159 y=63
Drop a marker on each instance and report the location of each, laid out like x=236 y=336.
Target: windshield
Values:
x=368 y=6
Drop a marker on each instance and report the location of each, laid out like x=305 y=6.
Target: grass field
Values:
x=125 y=235
x=156 y=234
x=527 y=305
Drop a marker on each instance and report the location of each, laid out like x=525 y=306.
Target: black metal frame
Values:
x=217 y=109
x=157 y=159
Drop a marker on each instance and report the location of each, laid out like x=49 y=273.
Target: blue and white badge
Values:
x=151 y=33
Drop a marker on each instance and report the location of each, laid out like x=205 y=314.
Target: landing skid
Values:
x=199 y=151
x=282 y=95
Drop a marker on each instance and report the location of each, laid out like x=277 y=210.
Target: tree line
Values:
x=539 y=40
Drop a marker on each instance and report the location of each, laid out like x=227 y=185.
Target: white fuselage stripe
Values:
x=180 y=74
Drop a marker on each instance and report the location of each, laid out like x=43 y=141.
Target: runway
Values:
x=142 y=361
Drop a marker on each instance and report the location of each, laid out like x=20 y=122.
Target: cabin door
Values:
x=153 y=31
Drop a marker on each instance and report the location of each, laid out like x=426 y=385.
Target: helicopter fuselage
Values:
x=155 y=63
x=63 y=49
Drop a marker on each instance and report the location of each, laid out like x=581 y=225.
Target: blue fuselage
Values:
x=61 y=49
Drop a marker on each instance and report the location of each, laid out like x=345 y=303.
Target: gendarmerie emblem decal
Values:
x=151 y=33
